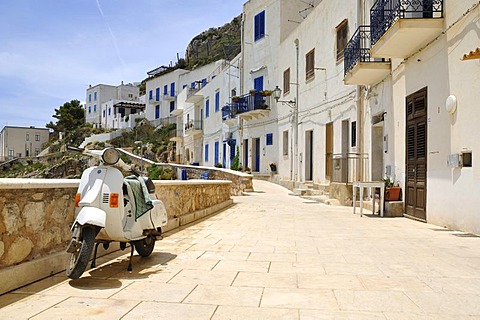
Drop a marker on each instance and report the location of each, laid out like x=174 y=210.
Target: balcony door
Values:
x=328 y=151
x=309 y=155
x=256 y=155
x=416 y=155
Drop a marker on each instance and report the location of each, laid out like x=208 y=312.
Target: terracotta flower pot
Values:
x=392 y=193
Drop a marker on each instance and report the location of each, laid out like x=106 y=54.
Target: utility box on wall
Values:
x=459 y=160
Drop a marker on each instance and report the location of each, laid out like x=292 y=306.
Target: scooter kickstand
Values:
x=131 y=256
x=94 y=261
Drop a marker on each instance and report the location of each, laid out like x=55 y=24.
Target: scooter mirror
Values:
x=110 y=156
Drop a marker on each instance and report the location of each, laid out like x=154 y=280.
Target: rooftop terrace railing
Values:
x=384 y=13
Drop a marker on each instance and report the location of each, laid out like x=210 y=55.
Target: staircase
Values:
x=315 y=192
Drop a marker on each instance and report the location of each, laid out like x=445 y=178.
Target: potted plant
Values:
x=252 y=92
x=235 y=99
x=392 y=189
x=273 y=167
x=266 y=93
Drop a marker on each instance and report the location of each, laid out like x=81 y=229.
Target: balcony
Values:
x=178 y=136
x=169 y=96
x=193 y=127
x=401 y=28
x=360 y=68
x=249 y=106
x=193 y=96
x=154 y=100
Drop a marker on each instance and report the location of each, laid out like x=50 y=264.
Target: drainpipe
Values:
x=359 y=99
x=241 y=65
x=295 y=113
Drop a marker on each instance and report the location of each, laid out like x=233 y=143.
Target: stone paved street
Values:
x=275 y=256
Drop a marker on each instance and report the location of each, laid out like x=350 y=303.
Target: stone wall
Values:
x=36 y=214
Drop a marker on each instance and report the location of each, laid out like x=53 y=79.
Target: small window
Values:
x=37 y=137
x=234 y=92
x=217 y=101
x=207 y=108
x=259 y=26
x=172 y=89
x=354 y=133
x=95 y=96
x=342 y=34
x=286 y=81
x=89 y=97
x=94 y=108
x=285 y=143
x=165 y=90
x=157 y=94
x=150 y=95
x=310 y=65
x=89 y=109
x=269 y=139
x=27 y=137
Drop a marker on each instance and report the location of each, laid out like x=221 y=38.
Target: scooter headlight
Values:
x=110 y=156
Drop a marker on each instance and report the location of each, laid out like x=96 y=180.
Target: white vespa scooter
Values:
x=112 y=208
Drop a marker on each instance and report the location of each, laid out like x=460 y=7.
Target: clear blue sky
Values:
x=51 y=50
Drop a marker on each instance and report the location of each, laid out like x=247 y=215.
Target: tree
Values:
x=70 y=117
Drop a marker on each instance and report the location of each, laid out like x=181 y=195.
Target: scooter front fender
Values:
x=91 y=215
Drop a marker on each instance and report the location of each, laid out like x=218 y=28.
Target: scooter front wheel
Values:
x=145 y=246
x=78 y=260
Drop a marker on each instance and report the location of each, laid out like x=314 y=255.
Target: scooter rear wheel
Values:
x=145 y=246
x=78 y=260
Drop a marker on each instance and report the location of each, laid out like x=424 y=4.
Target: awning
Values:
x=129 y=104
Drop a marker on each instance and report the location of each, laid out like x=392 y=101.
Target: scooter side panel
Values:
x=91 y=215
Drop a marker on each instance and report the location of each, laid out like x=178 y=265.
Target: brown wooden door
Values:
x=416 y=155
x=328 y=151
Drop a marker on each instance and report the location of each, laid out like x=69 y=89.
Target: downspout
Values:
x=359 y=100
x=240 y=65
x=295 y=111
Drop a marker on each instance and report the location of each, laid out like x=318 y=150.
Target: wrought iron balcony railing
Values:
x=384 y=13
x=193 y=125
x=255 y=100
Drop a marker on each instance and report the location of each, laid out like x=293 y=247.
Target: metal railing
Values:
x=163 y=121
x=358 y=49
x=255 y=100
x=193 y=125
x=384 y=13
x=346 y=167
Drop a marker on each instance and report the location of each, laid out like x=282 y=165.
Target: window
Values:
x=94 y=108
x=11 y=154
x=354 y=133
x=104 y=113
x=204 y=82
x=27 y=137
x=89 y=109
x=89 y=97
x=206 y=152
x=150 y=95
x=172 y=89
x=157 y=111
x=216 y=152
x=192 y=85
x=95 y=96
x=172 y=106
x=259 y=26
x=207 y=108
x=165 y=90
x=234 y=92
x=285 y=143
x=258 y=83
x=109 y=111
x=37 y=137
x=310 y=65
x=37 y=152
x=342 y=33
x=269 y=139
x=286 y=81
x=217 y=101
x=157 y=94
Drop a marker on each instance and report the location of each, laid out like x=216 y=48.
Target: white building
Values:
x=21 y=142
x=99 y=108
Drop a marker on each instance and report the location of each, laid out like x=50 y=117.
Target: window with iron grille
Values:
x=286 y=81
x=310 y=65
x=342 y=38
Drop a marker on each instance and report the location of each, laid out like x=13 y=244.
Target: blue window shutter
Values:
x=259 y=26
x=206 y=153
x=204 y=82
x=165 y=90
x=95 y=96
x=89 y=109
x=192 y=85
x=157 y=94
x=217 y=101
x=109 y=111
x=172 y=106
x=89 y=97
x=157 y=111
x=207 y=108
x=94 y=108
x=269 y=139
x=172 y=89
x=216 y=152
x=258 y=83
x=150 y=94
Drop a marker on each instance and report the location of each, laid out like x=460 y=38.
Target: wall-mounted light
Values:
x=277 y=92
x=451 y=104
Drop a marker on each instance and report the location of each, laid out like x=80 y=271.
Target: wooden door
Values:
x=416 y=155
x=328 y=151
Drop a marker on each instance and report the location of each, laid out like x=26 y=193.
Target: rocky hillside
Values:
x=214 y=44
